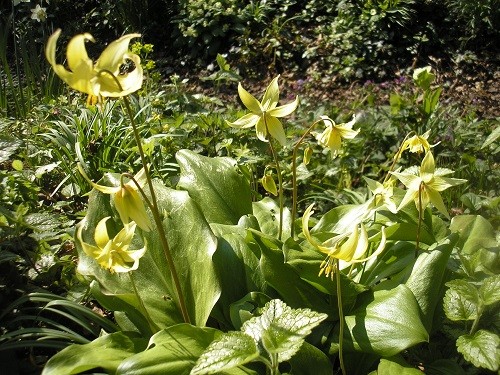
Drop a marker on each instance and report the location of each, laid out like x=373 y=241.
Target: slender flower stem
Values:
x=280 y=182
x=397 y=156
x=157 y=217
x=294 y=175
x=341 y=317
x=152 y=326
x=420 y=218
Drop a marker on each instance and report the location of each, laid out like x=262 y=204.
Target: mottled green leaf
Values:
x=461 y=300
x=490 y=290
x=282 y=329
x=481 y=349
x=230 y=350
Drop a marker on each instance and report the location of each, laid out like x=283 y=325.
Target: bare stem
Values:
x=280 y=182
x=294 y=175
x=157 y=217
x=341 y=317
x=153 y=327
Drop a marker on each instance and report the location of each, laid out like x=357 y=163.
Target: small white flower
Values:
x=38 y=13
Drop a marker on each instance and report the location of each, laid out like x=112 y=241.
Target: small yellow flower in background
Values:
x=97 y=79
x=269 y=185
x=264 y=115
x=113 y=254
x=332 y=136
x=425 y=183
x=382 y=194
x=416 y=144
x=38 y=13
x=348 y=248
x=127 y=199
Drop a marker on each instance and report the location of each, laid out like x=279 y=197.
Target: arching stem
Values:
x=341 y=317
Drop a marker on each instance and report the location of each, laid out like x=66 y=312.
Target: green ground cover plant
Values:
x=149 y=229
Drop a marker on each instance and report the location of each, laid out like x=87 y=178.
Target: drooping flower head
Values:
x=382 y=195
x=126 y=197
x=332 y=136
x=416 y=144
x=113 y=254
x=103 y=78
x=425 y=183
x=349 y=248
x=264 y=114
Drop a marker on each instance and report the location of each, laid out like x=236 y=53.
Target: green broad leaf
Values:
x=106 y=352
x=192 y=245
x=490 y=290
x=388 y=367
x=216 y=185
x=431 y=100
x=230 y=350
x=481 y=349
x=461 y=300
x=309 y=360
x=340 y=219
x=247 y=307
x=395 y=258
x=427 y=277
x=281 y=329
x=387 y=322
x=173 y=351
x=306 y=262
x=241 y=277
x=267 y=213
x=478 y=244
x=280 y=275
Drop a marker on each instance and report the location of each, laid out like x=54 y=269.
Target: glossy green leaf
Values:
x=240 y=278
x=216 y=185
x=307 y=261
x=267 y=214
x=286 y=281
x=461 y=300
x=388 y=367
x=481 y=349
x=230 y=350
x=281 y=329
x=427 y=275
x=105 y=352
x=444 y=367
x=387 y=323
x=309 y=360
x=192 y=245
x=478 y=244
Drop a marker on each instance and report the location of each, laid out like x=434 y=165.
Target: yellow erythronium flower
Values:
x=127 y=199
x=113 y=254
x=349 y=248
x=332 y=136
x=102 y=79
x=382 y=194
x=425 y=183
x=416 y=144
x=265 y=114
